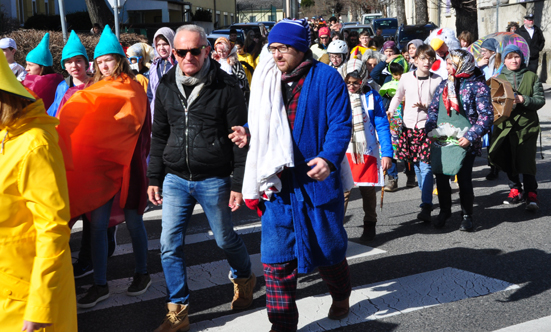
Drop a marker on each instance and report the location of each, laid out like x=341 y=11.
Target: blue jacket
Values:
x=59 y=93
x=305 y=220
x=379 y=120
x=377 y=73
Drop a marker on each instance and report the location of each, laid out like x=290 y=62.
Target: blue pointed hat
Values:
x=108 y=44
x=73 y=48
x=41 y=55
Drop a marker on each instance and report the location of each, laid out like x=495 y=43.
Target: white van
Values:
x=368 y=18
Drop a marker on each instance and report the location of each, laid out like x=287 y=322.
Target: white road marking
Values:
x=199 y=277
x=537 y=325
x=370 y=302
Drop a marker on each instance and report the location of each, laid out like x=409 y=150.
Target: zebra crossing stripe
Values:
x=371 y=302
x=200 y=277
x=536 y=325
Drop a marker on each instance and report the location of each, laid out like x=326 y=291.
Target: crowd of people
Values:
x=285 y=122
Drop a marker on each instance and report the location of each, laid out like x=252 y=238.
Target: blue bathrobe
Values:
x=305 y=220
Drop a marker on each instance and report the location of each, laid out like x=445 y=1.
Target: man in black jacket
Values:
x=196 y=106
x=534 y=38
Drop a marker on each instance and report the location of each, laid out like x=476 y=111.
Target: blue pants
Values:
x=179 y=199
x=423 y=171
x=98 y=226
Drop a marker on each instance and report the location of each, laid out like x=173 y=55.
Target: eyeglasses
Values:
x=326 y=37
x=424 y=58
x=193 y=51
x=281 y=49
x=335 y=56
x=354 y=83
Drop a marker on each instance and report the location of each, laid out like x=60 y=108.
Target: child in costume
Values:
x=104 y=163
x=41 y=78
x=460 y=113
x=368 y=158
x=417 y=88
x=38 y=289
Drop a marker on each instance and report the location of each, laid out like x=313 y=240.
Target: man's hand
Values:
x=32 y=326
x=236 y=200
x=154 y=194
x=320 y=171
x=420 y=107
x=464 y=143
x=386 y=162
x=239 y=136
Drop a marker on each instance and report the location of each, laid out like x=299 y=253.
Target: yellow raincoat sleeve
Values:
x=43 y=184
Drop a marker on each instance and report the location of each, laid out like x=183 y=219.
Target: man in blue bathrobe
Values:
x=302 y=224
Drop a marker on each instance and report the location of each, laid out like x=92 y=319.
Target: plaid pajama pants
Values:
x=281 y=289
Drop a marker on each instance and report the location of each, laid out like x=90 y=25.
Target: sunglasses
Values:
x=193 y=51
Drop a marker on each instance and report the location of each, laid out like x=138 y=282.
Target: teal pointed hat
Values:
x=73 y=48
x=41 y=54
x=108 y=44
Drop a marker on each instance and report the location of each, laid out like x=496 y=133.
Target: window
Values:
x=34 y=7
x=46 y=7
x=225 y=19
x=231 y=18
x=271 y=18
x=252 y=18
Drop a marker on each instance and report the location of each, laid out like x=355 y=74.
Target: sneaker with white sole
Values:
x=532 y=202
x=95 y=294
x=82 y=268
x=515 y=197
x=139 y=285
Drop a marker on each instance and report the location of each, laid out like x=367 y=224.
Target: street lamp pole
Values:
x=63 y=20
x=116 y=12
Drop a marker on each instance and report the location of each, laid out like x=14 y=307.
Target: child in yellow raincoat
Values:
x=37 y=290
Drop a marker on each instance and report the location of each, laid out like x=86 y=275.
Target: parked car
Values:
x=350 y=23
x=357 y=27
x=368 y=18
x=215 y=34
x=388 y=25
x=255 y=26
x=406 y=33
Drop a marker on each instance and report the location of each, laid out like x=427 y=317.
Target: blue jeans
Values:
x=179 y=199
x=423 y=171
x=98 y=226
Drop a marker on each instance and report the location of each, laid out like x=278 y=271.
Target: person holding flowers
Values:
x=460 y=113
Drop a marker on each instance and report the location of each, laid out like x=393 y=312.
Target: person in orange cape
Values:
x=41 y=78
x=105 y=131
x=36 y=279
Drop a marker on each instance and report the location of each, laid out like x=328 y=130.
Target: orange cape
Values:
x=98 y=131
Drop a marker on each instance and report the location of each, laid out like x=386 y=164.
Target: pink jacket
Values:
x=414 y=91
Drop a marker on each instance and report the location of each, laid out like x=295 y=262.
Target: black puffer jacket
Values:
x=196 y=147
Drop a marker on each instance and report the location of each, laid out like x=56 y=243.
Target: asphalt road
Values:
x=510 y=249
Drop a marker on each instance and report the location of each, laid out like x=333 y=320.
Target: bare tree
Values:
x=99 y=12
x=466 y=17
x=421 y=11
x=400 y=12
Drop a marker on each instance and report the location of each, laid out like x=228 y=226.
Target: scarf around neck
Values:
x=301 y=70
x=198 y=81
x=357 y=69
x=463 y=67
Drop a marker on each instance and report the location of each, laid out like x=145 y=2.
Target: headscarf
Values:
x=141 y=50
x=389 y=44
x=415 y=42
x=511 y=48
x=463 y=67
x=232 y=58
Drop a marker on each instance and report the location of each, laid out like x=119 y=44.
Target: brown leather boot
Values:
x=242 y=292
x=176 y=320
x=339 y=309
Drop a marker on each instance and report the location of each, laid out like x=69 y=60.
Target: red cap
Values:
x=324 y=31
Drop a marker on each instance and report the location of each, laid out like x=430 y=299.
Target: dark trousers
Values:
x=369 y=202
x=529 y=181
x=85 y=253
x=533 y=64
x=465 y=182
x=281 y=289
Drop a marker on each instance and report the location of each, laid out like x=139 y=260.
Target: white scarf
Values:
x=271 y=145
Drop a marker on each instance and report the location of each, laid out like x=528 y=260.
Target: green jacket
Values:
x=514 y=142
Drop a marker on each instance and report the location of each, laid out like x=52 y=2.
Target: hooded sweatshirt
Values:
x=35 y=264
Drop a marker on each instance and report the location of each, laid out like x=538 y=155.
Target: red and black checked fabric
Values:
x=281 y=289
x=337 y=278
x=281 y=293
x=293 y=103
